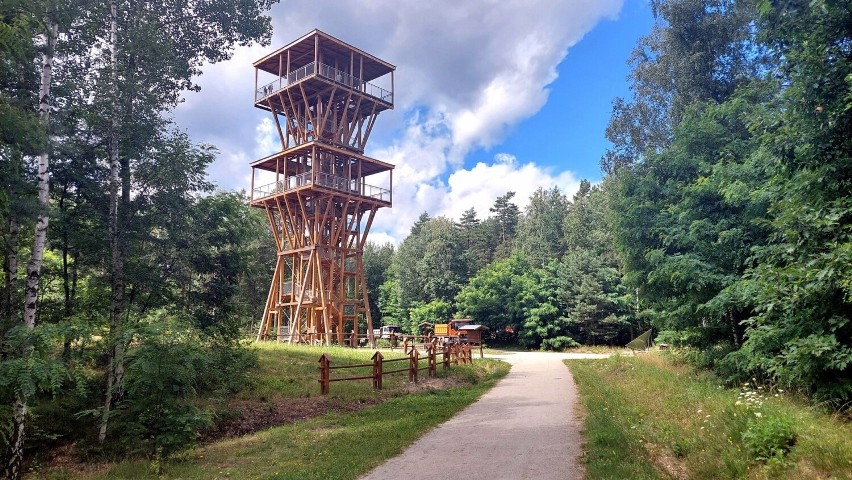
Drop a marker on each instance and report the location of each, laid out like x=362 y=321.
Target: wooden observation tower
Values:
x=320 y=192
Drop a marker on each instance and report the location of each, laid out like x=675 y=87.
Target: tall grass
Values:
x=649 y=418
x=286 y=371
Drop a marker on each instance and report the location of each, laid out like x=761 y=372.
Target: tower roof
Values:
x=302 y=53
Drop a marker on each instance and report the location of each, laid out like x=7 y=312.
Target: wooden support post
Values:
x=446 y=357
x=325 y=373
x=433 y=364
x=413 y=360
x=377 y=370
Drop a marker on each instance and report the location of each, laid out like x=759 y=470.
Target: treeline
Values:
x=724 y=219
x=126 y=277
x=545 y=278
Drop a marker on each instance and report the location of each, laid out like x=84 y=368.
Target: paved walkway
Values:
x=526 y=427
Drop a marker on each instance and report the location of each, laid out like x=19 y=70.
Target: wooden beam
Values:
x=277 y=122
x=367 y=228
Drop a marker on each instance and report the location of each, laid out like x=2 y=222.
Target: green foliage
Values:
x=802 y=335
x=558 y=343
x=769 y=437
x=377 y=271
x=684 y=234
x=598 y=305
x=29 y=367
x=28 y=363
x=391 y=312
x=338 y=437
x=732 y=212
x=699 y=51
x=157 y=415
x=540 y=235
x=476 y=240
x=658 y=414
x=506 y=217
x=436 y=311
x=493 y=297
x=428 y=266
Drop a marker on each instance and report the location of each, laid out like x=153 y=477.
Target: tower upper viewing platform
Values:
x=318 y=62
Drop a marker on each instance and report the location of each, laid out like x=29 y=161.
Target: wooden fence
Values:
x=451 y=354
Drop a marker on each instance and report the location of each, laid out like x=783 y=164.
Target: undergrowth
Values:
x=649 y=418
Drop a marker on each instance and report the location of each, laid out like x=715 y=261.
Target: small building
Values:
x=472 y=333
x=426 y=328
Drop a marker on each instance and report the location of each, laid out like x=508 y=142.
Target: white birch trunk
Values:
x=115 y=369
x=19 y=408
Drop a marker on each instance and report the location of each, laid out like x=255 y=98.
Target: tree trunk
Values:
x=10 y=294
x=116 y=353
x=19 y=409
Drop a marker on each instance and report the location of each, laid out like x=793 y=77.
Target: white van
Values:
x=385 y=331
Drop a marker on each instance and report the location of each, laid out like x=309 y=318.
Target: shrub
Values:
x=168 y=365
x=558 y=343
x=769 y=436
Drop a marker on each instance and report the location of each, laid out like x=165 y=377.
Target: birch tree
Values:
x=15 y=454
x=154 y=52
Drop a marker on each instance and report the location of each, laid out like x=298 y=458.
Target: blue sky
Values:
x=570 y=128
x=490 y=96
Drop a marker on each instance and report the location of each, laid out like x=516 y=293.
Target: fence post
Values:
x=468 y=355
x=446 y=356
x=405 y=345
x=481 y=354
x=377 y=370
x=325 y=373
x=433 y=370
x=412 y=365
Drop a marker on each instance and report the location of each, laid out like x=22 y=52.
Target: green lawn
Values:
x=331 y=446
x=649 y=418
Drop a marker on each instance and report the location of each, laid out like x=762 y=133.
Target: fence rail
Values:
x=451 y=354
x=328 y=72
x=351 y=186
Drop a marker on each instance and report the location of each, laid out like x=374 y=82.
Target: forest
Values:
x=723 y=220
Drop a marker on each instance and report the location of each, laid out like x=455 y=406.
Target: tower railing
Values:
x=325 y=71
x=323 y=179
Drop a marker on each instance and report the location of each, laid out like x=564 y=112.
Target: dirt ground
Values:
x=244 y=417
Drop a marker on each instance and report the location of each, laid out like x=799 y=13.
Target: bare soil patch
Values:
x=244 y=417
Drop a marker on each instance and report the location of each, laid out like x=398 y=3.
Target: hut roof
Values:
x=479 y=328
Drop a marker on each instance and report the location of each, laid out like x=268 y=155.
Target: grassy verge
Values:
x=648 y=418
x=286 y=371
x=335 y=445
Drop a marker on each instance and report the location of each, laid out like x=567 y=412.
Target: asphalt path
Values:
x=526 y=427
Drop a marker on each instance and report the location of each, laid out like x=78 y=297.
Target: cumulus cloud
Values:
x=467 y=72
x=475 y=188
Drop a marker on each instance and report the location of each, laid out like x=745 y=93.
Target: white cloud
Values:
x=477 y=187
x=467 y=72
x=266 y=141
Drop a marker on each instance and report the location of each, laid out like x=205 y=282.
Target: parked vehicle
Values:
x=450 y=330
x=386 y=331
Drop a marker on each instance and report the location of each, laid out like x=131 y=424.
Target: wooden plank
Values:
x=367 y=227
x=277 y=122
